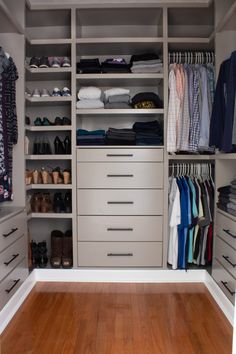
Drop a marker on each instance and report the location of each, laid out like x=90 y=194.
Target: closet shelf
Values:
x=50 y=128
x=128 y=79
x=48 y=99
x=48 y=186
x=47 y=74
x=47 y=70
x=227 y=214
x=50 y=216
x=113 y=40
x=104 y=111
x=226 y=156
x=49 y=41
x=119 y=146
x=191 y=157
x=48 y=157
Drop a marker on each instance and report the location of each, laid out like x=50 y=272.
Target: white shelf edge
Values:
x=119 y=111
x=48 y=128
x=188 y=40
x=48 y=157
x=226 y=214
x=231 y=156
x=48 y=186
x=50 y=216
x=47 y=70
x=48 y=99
x=49 y=41
x=120 y=76
x=191 y=157
x=114 y=40
x=119 y=147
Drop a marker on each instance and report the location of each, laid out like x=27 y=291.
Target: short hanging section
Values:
x=191 y=213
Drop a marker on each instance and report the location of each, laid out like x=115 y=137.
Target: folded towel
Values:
x=147 y=69
x=89 y=104
x=146 y=62
x=89 y=93
x=119 y=98
x=116 y=91
x=117 y=105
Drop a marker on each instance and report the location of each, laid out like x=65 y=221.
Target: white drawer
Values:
x=12 y=282
x=226 y=229
x=120 y=175
x=120 y=155
x=225 y=281
x=120 y=254
x=11 y=230
x=226 y=255
x=120 y=202
x=120 y=228
x=12 y=256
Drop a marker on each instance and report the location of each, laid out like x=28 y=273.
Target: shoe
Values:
x=46 y=122
x=56 y=92
x=42 y=251
x=36 y=93
x=68 y=203
x=55 y=62
x=37 y=146
x=28 y=92
x=67 y=145
x=46 y=147
x=66 y=121
x=34 y=62
x=45 y=93
x=38 y=122
x=56 y=248
x=67 y=251
x=58 y=121
x=65 y=92
x=35 y=255
x=44 y=63
x=58 y=146
x=36 y=203
x=27 y=120
x=58 y=205
x=65 y=63
x=46 y=203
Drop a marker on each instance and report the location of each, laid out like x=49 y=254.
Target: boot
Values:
x=58 y=146
x=56 y=248
x=68 y=203
x=36 y=203
x=43 y=258
x=58 y=203
x=67 y=253
x=67 y=145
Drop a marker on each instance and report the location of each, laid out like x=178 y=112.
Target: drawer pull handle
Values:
x=229 y=261
x=11 y=232
x=229 y=233
x=120 y=155
x=12 y=287
x=14 y=256
x=119 y=254
x=226 y=287
x=120 y=229
x=120 y=202
x=120 y=175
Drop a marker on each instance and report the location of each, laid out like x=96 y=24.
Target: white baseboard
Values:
x=115 y=276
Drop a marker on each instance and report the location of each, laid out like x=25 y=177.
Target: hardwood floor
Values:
x=89 y=318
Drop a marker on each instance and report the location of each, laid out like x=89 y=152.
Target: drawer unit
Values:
x=120 y=228
x=120 y=175
x=12 y=256
x=120 y=254
x=120 y=155
x=11 y=230
x=12 y=282
x=226 y=255
x=120 y=202
x=226 y=229
x=225 y=280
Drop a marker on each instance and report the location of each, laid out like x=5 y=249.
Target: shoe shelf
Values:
x=49 y=99
x=48 y=186
x=50 y=216
x=47 y=74
x=48 y=157
x=104 y=111
x=49 y=128
x=47 y=70
x=49 y=41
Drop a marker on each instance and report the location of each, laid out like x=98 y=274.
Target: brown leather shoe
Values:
x=56 y=248
x=67 y=253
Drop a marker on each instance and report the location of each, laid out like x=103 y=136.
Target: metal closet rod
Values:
x=196 y=169
x=192 y=57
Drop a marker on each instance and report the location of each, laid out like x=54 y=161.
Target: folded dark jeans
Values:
x=143 y=57
x=89 y=70
x=114 y=70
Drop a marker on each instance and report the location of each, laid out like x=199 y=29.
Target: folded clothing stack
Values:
x=89 y=97
x=115 y=65
x=117 y=98
x=89 y=66
x=147 y=100
x=120 y=137
x=227 y=198
x=148 y=133
x=93 y=137
x=146 y=63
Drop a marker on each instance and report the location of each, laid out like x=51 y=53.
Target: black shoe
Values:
x=58 y=205
x=68 y=203
x=43 y=260
x=67 y=145
x=66 y=121
x=58 y=146
x=44 y=63
x=46 y=122
x=37 y=147
x=27 y=120
x=58 y=121
x=34 y=62
x=38 y=122
x=35 y=256
x=46 y=148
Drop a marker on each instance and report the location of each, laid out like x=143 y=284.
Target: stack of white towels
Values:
x=89 y=98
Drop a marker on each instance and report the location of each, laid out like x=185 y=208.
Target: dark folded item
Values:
x=115 y=61
x=90 y=132
x=92 y=142
x=90 y=137
x=232 y=196
x=89 y=70
x=89 y=66
x=146 y=127
x=227 y=210
x=117 y=105
x=225 y=189
x=233 y=183
x=111 y=141
x=110 y=68
x=143 y=57
x=147 y=97
x=224 y=200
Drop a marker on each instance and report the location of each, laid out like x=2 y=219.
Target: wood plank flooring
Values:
x=99 y=318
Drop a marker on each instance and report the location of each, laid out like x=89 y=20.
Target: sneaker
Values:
x=45 y=93
x=44 y=63
x=34 y=62
x=65 y=92
x=56 y=92
x=66 y=62
x=35 y=93
x=55 y=62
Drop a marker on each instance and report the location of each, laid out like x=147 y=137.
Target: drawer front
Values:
x=120 y=254
x=226 y=229
x=11 y=230
x=120 y=228
x=226 y=255
x=225 y=281
x=120 y=155
x=120 y=202
x=120 y=175
x=12 y=282
x=12 y=256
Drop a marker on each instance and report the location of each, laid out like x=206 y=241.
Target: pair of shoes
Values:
x=61 y=249
x=42 y=146
x=36 y=62
x=27 y=120
x=47 y=62
x=65 y=92
x=41 y=203
x=59 y=176
x=42 y=122
x=62 y=147
x=61 y=204
x=39 y=256
x=62 y=121
x=40 y=93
